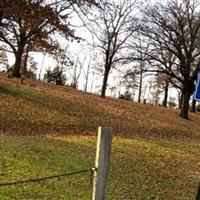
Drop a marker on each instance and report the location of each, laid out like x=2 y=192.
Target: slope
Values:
x=47 y=130
x=39 y=108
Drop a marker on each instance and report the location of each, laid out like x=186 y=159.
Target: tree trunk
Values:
x=140 y=87
x=41 y=68
x=186 y=93
x=180 y=100
x=87 y=77
x=17 y=66
x=166 y=94
x=93 y=76
x=193 y=108
x=105 y=80
x=24 y=67
x=185 y=105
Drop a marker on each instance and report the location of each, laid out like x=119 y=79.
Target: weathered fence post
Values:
x=103 y=154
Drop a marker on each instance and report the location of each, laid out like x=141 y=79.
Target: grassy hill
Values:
x=47 y=129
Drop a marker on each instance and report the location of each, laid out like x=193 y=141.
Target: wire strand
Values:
x=44 y=178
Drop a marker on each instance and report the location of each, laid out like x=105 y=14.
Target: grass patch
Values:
x=140 y=169
x=29 y=157
x=19 y=92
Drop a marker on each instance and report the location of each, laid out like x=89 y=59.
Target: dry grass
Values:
x=38 y=108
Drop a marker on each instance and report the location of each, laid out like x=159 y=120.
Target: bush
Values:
x=56 y=76
x=126 y=96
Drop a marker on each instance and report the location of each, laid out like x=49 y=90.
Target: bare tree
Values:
x=112 y=27
x=130 y=80
x=156 y=88
x=139 y=57
x=76 y=72
x=86 y=74
x=86 y=66
x=175 y=27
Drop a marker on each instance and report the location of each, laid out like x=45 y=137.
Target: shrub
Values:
x=56 y=76
x=126 y=96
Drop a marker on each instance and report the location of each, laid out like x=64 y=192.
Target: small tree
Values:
x=56 y=76
x=130 y=80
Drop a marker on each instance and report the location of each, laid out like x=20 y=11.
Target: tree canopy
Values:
x=31 y=24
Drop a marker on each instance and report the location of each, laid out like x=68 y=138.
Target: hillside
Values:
x=39 y=108
x=47 y=130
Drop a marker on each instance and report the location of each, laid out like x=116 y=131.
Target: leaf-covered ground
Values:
x=38 y=108
x=46 y=129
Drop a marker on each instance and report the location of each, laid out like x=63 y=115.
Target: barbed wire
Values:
x=47 y=177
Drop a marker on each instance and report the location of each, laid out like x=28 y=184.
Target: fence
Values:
x=99 y=172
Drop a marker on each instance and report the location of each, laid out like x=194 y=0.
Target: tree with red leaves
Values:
x=31 y=24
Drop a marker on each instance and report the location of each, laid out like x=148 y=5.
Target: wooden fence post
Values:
x=103 y=154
